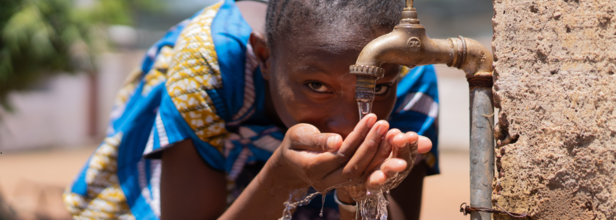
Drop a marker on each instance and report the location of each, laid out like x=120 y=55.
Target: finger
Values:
x=357 y=136
x=308 y=138
x=424 y=145
x=404 y=145
x=325 y=142
x=315 y=166
x=393 y=166
x=376 y=180
x=389 y=169
x=335 y=179
x=384 y=150
x=366 y=152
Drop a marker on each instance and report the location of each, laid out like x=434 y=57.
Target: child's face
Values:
x=310 y=83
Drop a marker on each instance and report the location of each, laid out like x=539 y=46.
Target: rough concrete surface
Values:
x=555 y=84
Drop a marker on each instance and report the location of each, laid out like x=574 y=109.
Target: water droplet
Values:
x=322 y=204
x=297 y=198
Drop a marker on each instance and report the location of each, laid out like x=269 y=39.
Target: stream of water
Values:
x=364 y=108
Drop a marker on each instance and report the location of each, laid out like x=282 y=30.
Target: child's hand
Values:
x=391 y=164
x=394 y=169
x=325 y=161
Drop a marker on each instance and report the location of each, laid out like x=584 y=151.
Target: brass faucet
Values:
x=409 y=45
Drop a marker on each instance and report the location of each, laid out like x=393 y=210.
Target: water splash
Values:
x=297 y=198
x=373 y=206
x=322 y=204
x=300 y=197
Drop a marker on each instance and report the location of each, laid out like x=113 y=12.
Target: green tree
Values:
x=42 y=38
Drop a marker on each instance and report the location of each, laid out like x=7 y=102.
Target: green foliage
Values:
x=40 y=38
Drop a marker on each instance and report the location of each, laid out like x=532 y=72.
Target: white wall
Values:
x=113 y=68
x=57 y=116
x=454 y=109
x=49 y=117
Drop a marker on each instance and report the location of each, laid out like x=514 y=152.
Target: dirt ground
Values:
x=32 y=183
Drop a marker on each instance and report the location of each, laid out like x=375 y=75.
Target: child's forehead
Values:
x=326 y=41
x=318 y=55
x=320 y=50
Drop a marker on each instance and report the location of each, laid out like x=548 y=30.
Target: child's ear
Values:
x=262 y=52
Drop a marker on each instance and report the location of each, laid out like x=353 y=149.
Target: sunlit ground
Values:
x=32 y=183
x=443 y=194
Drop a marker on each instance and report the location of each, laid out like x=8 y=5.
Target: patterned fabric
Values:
x=106 y=199
x=195 y=70
x=202 y=82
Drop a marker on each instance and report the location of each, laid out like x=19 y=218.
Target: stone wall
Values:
x=556 y=88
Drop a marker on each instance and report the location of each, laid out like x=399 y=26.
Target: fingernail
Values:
x=423 y=138
x=371 y=121
x=331 y=142
x=381 y=130
x=402 y=143
x=416 y=139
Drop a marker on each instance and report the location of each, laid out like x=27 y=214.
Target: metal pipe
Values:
x=409 y=45
x=482 y=150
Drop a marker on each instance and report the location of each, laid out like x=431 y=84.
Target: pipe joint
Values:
x=476 y=62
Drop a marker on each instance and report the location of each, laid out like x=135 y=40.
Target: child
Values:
x=222 y=122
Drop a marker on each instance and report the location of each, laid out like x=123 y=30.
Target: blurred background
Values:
x=62 y=61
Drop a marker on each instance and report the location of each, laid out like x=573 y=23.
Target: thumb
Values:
x=308 y=138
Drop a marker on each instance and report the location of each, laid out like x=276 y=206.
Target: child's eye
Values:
x=381 y=89
x=318 y=87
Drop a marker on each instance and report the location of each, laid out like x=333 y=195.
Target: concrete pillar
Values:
x=556 y=135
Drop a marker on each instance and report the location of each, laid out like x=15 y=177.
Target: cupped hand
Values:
x=325 y=161
x=370 y=156
x=394 y=169
x=391 y=164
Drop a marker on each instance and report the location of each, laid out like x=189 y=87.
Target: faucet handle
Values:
x=409 y=14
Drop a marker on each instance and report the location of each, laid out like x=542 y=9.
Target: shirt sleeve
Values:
x=188 y=106
x=211 y=51
x=417 y=108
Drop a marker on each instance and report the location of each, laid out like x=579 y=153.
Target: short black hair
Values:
x=290 y=17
